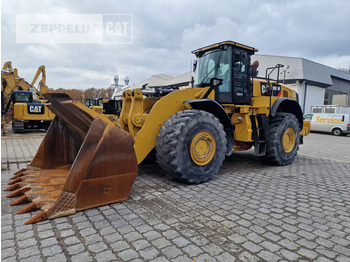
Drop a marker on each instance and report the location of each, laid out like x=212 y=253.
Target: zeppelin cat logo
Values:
x=36 y=109
x=328 y=120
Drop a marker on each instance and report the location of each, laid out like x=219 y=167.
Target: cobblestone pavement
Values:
x=248 y=212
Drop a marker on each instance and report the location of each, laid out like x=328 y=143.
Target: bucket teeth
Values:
x=22 y=199
x=17 y=176
x=12 y=187
x=20 y=171
x=29 y=173
x=19 y=192
x=14 y=181
x=28 y=208
x=37 y=218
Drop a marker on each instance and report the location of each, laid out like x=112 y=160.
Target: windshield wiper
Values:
x=208 y=74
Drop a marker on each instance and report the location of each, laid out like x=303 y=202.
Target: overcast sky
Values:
x=163 y=34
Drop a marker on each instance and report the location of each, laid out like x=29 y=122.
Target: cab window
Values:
x=308 y=116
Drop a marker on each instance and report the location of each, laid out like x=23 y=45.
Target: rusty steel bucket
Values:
x=84 y=161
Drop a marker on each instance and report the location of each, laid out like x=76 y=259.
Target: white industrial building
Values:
x=315 y=83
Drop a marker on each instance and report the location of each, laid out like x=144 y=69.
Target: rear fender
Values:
x=288 y=105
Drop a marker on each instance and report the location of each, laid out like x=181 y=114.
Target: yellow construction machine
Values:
x=109 y=108
x=21 y=102
x=85 y=161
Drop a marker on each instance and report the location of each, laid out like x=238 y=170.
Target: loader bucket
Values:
x=83 y=161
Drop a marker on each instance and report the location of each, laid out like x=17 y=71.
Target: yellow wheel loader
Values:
x=85 y=161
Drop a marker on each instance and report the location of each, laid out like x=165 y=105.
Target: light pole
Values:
x=284 y=71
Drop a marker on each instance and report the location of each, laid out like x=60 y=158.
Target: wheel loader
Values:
x=85 y=161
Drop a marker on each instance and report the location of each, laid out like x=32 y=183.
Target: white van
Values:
x=337 y=124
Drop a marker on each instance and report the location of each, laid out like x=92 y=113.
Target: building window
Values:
x=326 y=98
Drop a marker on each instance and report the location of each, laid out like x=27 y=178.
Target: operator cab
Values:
x=230 y=62
x=22 y=97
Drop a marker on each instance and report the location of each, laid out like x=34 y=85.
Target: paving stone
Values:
x=84 y=256
x=75 y=249
x=289 y=255
x=247 y=257
x=27 y=243
x=170 y=234
x=251 y=247
x=225 y=257
x=192 y=250
x=141 y=244
x=46 y=234
x=25 y=252
x=181 y=242
x=132 y=236
x=291 y=245
x=87 y=231
x=7 y=244
x=57 y=258
x=72 y=240
x=92 y=239
x=51 y=250
x=49 y=242
x=97 y=247
x=237 y=238
x=120 y=245
x=25 y=235
x=149 y=253
x=171 y=252
x=151 y=235
x=128 y=254
x=8 y=252
x=161 y=243
x=105 y=256
x=270 y=246
x=342 y=250
x=112 y=237
x=307 y=253
x=254 y=238
x=204 y=257
x=32 y=259
x=268 y=256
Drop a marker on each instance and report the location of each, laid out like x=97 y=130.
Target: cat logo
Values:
x=266 y=89
x=36 y=109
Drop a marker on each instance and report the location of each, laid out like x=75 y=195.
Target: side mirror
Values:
x=194 y=65
x=215 y=82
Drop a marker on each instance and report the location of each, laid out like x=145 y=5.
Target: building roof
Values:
x=153 y=81
x=301 y=69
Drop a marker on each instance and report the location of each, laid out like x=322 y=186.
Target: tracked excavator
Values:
x=21 y=102
x=85 y=161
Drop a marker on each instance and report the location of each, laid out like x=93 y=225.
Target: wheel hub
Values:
x=288 y=140
x=202 y=148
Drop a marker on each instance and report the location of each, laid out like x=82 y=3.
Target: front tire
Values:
x=283 y=139
x=191 y=146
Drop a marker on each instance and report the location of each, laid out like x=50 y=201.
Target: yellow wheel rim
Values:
x=203 y=148
x=288 y=140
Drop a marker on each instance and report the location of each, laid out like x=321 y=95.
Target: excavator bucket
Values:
x=84 y=161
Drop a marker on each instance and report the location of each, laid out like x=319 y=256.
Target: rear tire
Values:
x=283 y=139
x=191 y=146
x=337 y=132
